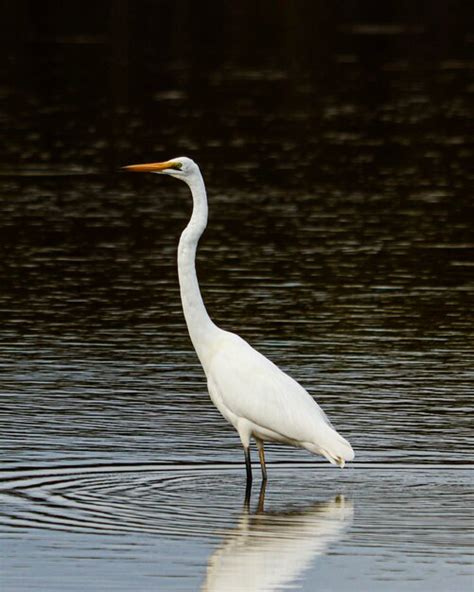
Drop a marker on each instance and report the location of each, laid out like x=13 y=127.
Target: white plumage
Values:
x=260 y=400
x=254 y=395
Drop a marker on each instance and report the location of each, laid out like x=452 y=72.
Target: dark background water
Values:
x=336 y=142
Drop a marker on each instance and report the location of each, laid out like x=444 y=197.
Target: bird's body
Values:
x=252 y=393
x=263 y=402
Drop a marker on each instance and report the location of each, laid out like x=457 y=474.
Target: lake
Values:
x=336 y=148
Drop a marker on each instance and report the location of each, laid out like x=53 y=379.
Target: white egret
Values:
x=252 y=393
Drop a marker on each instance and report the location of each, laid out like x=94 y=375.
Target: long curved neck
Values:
x=201 y=328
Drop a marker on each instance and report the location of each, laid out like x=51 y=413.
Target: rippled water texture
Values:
x=337 y=148
x=189 y=525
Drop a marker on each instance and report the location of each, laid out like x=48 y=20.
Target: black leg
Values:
x=248 y=465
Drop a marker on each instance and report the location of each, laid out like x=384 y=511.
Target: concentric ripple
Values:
x=201 y=500
x=154 y=499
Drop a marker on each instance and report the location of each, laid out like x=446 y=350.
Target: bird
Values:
x=255 y=396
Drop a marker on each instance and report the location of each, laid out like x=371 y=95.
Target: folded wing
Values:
x=252 y=387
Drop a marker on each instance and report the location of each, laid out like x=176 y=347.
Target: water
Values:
x=185 y=527
x=339 y=244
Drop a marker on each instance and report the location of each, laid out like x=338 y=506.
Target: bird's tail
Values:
x=334 y=447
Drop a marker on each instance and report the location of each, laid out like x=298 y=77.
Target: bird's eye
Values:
x=176 y=165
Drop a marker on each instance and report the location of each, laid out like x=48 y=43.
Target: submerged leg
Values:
x=261 y=454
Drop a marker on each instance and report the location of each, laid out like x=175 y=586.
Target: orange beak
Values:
x=151 y=167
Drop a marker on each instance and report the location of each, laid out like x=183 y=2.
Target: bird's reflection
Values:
x=266 y=551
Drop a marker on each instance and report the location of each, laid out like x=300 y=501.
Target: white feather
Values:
x=245 y=385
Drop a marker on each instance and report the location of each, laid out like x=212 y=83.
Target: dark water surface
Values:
x=337 y=147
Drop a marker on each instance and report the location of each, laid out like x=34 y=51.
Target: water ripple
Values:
x=197 y=500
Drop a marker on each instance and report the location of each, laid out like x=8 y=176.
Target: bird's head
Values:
x=181 y=168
